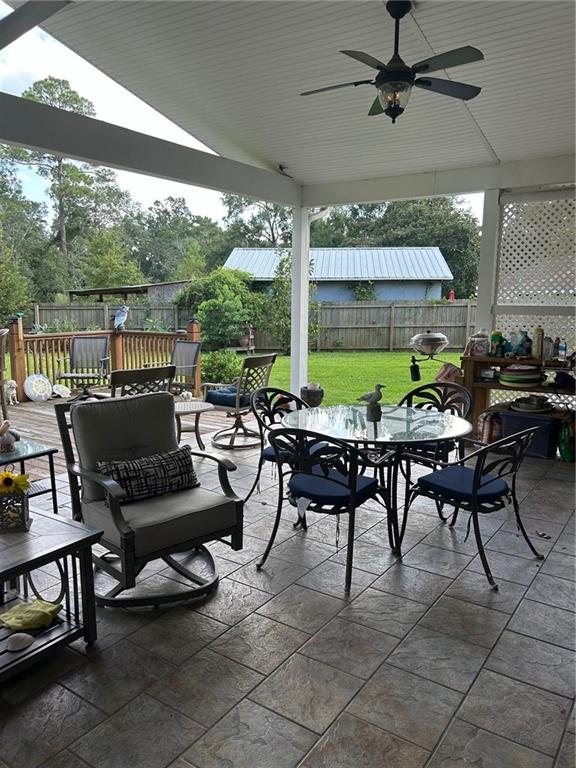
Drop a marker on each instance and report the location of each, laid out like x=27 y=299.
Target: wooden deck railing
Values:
x=41 y=353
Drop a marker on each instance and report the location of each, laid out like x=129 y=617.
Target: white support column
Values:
x=300 y=295
x=488 y=259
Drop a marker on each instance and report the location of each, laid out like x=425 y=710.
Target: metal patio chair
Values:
x=445 y=397
x=185 y=354
x=235 y=400
x=140 y=381
x=88 y=363
x=322 y=475
x=488 y=485
x=269 y=405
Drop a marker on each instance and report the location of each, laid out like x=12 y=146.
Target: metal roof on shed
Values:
x=349 y=263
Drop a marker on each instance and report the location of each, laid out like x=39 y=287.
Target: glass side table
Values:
x=24 y=450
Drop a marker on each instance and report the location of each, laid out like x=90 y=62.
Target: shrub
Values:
x=221 y=366
x=224 y=304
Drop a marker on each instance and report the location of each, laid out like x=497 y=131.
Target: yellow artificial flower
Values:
x=10 y=482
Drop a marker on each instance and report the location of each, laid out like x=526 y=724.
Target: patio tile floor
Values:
x=423 y=665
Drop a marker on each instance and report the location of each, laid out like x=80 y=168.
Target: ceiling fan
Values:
x=395 y=80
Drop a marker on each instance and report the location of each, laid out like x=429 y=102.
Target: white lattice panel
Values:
x=554 y=325
x=537 y=253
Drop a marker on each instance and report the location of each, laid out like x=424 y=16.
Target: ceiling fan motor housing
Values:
x=398 y=8
x=394 y=85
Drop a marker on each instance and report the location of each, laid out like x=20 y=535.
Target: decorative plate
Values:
x=37 y=387
x=61 y=390
x=520 y=384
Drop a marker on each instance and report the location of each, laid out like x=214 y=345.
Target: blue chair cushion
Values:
x=269 y=454
x=226 y=396
x=456 y=483
x=328 y=491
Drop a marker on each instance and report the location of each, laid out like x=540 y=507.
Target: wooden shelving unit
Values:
x=480 y=390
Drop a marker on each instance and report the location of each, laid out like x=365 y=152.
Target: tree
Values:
x=438 y=221
x=279 y=318
x=258 y=222
x=23 y=228
x=107 y=263
x=193 y=264
x=67 y=180
x=13 y=285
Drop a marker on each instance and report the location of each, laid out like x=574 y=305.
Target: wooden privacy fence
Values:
x=100 y=314
x=382 y=325
x=343 y=325
x=43 y=352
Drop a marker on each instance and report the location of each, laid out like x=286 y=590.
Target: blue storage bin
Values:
x=545 y=442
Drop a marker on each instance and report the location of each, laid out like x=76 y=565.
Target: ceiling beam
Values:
x=460 y=181
x=28 y=123
x=26 y=17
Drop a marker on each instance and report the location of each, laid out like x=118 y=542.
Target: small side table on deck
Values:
x=195 y=408
x=24 y=450
x=68 y=544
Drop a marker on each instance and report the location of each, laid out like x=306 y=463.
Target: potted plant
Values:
x=14 y=514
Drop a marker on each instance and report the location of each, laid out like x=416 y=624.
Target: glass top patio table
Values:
x=389 y=424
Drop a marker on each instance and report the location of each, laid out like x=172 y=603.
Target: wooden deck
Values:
x=37 y=421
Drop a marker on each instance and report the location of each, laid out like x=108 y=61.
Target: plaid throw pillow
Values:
x=152 y=475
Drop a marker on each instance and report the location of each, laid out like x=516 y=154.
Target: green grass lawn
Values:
x=346 y=375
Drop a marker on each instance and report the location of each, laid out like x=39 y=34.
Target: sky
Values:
x=36 y=55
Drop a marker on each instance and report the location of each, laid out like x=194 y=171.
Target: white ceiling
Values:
x=230 y=74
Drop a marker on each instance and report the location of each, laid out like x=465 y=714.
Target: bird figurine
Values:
x=120 y=318
x=373 y=397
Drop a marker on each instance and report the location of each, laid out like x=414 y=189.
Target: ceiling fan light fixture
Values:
x=394 y=97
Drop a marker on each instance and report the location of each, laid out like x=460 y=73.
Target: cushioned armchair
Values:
x=130 y=479
x=235 y=400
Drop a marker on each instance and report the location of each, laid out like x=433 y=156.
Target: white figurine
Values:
x=120 y=318
x=186 y=395
x=12 y=392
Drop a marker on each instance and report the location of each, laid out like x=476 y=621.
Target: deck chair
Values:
x=129 y=478
x=185 y=357
x=235 y=400
x=3 y=340
x=140 y=381
x=88 y=363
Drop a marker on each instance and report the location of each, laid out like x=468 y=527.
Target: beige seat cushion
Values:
x=162 y=521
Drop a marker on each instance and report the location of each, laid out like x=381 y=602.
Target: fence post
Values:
x=17 y=355
x=392 y=331
x=117 y=351
x=468 y=320
x=193 y=331
x=36 y=314
x=105 y=315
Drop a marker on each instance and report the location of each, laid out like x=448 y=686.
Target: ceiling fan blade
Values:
x=448 y=88
x=365 y=58
x=376 y=108
x=333 y=87
x=454 y=58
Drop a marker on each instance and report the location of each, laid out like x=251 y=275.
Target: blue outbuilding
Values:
x=397 y=274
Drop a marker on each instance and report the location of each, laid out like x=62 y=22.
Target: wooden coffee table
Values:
x=68 y=544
